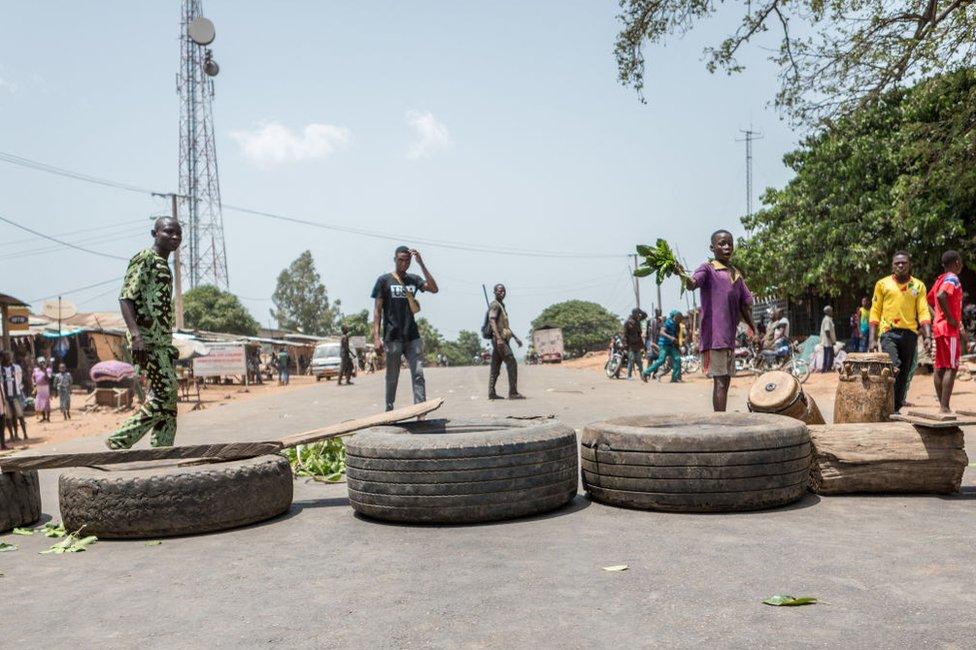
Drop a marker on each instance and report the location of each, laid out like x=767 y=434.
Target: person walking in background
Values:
x=864 y=314
x=12 y=378
x=668 y=346
x=284 y=366
x=501 y=335
x=855 y=324
x=898 y=311
x=725 y=300
x=345 y=357
x=394 y=305
x=652 y=332
x=945 y=298
x=42 y=390
x=146 y=302
x=828 y=338
x=62 y=383
x=635 y=343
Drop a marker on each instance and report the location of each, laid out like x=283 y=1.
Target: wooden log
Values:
x=886 y=457
x=221 y=451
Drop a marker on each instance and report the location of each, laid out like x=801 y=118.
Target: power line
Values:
x=363 y=232
x=59 y=241
x=53 y=249
x=78 y=290
x=112 y=226
x=51 y=169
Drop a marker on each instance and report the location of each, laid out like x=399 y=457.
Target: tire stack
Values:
x=166 y=499
x=713 y=463
x=20 y=499
x=462 y=471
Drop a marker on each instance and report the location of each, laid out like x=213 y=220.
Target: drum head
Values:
x=773 y=391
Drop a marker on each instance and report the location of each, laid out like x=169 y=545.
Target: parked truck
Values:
x=548 y=344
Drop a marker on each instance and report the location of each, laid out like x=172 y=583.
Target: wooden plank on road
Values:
x=221 y=451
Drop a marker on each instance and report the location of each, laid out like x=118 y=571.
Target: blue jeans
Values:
x=414 y=351
x=667 y=351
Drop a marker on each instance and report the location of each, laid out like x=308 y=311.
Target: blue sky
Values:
x=495 y=123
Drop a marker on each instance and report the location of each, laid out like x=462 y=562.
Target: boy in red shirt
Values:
x=945 y=297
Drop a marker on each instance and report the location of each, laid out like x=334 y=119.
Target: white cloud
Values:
x=431 y=136
x=273 y=144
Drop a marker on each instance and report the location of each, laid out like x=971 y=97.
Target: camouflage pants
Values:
x=158 y=412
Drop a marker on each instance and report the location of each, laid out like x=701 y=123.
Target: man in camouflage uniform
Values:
x=146 y=302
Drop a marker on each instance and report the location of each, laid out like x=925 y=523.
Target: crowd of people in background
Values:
x=899 y=315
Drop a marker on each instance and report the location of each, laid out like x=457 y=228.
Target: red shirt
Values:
x=949 y=283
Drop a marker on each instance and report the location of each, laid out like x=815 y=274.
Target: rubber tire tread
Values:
x=699 y=459
x=465 y=514
x=509 y=437
x=696 y=433
x=474 y=487
x=699 y=502
x=20 y=499
x=696 y=472
x=455 y=464
x=462 y=471
x=171 y=500
x=685 y=486
x=467 y=475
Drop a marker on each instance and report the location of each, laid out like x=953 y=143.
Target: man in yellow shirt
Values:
x=899 y=309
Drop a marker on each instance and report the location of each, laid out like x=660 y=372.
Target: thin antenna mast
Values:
x=206 y=262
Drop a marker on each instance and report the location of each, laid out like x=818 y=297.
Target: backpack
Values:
x=486 y=332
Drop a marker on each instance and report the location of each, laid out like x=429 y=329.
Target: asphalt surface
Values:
x=890 y=571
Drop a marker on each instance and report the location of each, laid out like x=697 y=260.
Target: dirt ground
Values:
x=104 y=420
x=821 y=386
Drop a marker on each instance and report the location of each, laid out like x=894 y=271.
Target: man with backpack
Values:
x=395 y=304
x=497 y=328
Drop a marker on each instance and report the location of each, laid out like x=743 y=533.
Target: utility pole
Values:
x=636 y=281
x=750 y=135
x=177 y=266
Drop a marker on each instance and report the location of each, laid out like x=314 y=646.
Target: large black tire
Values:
x=20 y=499
x=461 y=471
x=167 y=499
x=711 y=463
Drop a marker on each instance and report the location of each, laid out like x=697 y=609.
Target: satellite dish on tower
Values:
x=201 y=31
x=59 y=309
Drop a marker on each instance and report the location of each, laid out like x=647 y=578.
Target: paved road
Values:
x=893 y=571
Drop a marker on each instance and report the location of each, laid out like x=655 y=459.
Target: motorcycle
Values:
x=616 y=358
x=755 y=360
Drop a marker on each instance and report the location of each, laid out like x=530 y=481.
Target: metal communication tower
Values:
x=750 y=136
x=206 y=261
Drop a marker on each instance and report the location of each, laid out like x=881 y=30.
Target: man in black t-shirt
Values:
x=395 y=304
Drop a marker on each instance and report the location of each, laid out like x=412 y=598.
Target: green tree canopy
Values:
x=358 y=323
x=432 y=339
x=208 y=308
x=301 y=301
x=900 y=174
x=832 y=56
x=585 y=325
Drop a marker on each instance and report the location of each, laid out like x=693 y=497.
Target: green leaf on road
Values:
x=153 y=542
x=781 y=600
x=71 y=544
x=51 y=529
x=22 y=531
x=616 y=567
x=7 y=546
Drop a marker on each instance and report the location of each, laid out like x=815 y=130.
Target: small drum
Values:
x=779 y=392
x=865 y=392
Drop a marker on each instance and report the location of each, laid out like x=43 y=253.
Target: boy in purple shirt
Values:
x=725 y=299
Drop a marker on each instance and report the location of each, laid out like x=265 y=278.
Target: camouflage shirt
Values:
x=148 y=284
